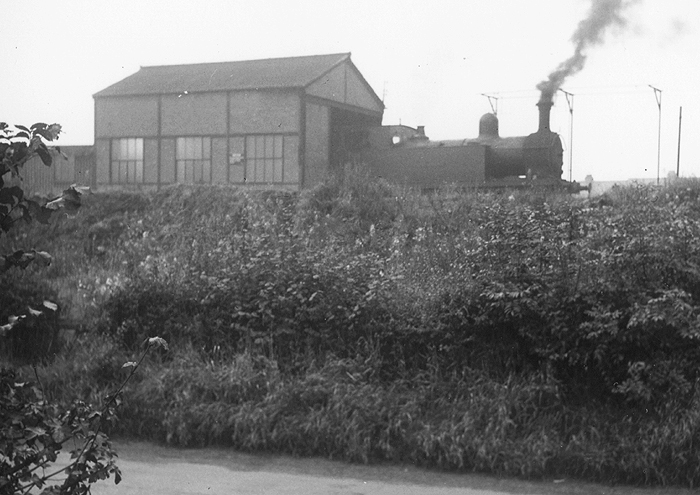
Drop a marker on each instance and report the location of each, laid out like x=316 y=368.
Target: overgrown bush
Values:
x=517 y=332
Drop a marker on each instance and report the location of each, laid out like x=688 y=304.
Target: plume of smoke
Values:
x=590 y=32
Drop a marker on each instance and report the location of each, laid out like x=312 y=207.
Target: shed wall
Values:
x=219 y=161
x=102 y=160
x=126 y=116
x=193 y=114
x=331 y=86
x=317 y=144
x=264 y=112
x=358 y=94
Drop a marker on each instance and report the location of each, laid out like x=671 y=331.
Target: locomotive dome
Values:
x=488 y=126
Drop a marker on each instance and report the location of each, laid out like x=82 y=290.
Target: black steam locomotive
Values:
x=407 y=156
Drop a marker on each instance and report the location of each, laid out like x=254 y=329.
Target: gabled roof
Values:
x=290 y=72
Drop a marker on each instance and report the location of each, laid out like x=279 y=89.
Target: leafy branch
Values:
x=34 y=433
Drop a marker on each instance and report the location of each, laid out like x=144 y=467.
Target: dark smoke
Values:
x=590 y=32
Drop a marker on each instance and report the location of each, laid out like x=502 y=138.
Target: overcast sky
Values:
x=429 y=60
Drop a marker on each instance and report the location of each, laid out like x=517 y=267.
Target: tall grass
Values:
x=523 y=333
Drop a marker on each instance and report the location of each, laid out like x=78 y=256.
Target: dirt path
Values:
x=156 y=470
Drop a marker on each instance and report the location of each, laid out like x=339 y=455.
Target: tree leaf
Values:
x=11 y=195
x=43 y=258
x=40 y=213
x=34 y=312
x=52 y=306
x=44 y=154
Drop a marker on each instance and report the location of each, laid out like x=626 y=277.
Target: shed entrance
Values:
x=348 y=135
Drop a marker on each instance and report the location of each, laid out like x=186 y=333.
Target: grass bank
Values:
x=528 y=333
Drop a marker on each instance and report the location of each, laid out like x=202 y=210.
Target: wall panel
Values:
x=167 y=161
x=331 y=86
x=264 y=112
x=219 y=161
x=150 y=161
x=102 y=160
x=358 y=94
x=193 y=114
x=317 y=144
x=291 y=160
x=126 y=116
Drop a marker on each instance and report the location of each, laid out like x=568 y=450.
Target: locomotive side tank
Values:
x=406 y=155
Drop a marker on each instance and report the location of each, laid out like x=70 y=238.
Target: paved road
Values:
x=156 y=470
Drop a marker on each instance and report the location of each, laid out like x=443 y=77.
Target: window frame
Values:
x=127 y=160
x=198 y=157
x=264 y=159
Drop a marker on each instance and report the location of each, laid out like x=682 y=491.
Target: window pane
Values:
x=206 y=171
x=123 y=149
x=196 y=148
x=250 y=169
x=180 y=176
x=139 y=171
x=277 y=165
x=189 y=172
x=260 y=147
x=250 y=147
x=260 y=171
x=139 y=149
x=115 y=172
x=269 y=140
x=278 y=147
x=206 y=148
x=180 y=148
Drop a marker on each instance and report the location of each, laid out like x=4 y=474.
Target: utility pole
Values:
x=493 y=101
x=570 y=102
x=657 y=95
x=678 y=160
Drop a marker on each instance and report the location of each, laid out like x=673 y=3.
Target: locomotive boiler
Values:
x=407 y=156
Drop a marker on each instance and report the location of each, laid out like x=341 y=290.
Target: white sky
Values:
x=431 y=60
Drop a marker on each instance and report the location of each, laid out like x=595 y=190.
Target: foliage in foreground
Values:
x=33 y=428
x=528 y=334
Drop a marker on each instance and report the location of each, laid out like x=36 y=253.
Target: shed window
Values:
x=193 y=159
x=127 y=161
x=264 y=159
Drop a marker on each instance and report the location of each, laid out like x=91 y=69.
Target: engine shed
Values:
x=273 y=122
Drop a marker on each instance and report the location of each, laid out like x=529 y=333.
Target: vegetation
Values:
x=522 y=333
x=33 y=428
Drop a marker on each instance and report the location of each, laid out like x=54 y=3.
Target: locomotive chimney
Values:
x=545 y=105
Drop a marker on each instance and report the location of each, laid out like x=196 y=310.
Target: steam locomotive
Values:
x=407 y=156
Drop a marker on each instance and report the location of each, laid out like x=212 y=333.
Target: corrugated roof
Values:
x=290 y=72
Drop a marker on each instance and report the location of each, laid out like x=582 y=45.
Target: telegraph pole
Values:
x=570 y=102
x=493 y=101
x=678 y=160
x=657 y=95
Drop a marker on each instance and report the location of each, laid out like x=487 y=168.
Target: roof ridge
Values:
x=271 y=59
